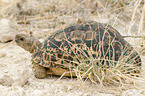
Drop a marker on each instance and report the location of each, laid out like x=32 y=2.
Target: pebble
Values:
x=7 y=32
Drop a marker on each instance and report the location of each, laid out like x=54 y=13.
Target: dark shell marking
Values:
x=84 y=40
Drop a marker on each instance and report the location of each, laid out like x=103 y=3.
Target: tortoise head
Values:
x=29 y=43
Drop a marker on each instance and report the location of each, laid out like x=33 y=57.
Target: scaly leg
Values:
x=39 y=71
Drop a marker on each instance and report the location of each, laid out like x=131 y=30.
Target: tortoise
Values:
x=63 y=50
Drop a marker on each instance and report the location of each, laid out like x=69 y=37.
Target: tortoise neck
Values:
x=34 y=46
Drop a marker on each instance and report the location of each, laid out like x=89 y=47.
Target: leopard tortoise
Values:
x=64 y=50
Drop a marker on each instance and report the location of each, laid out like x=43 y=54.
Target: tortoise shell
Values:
x=67 y=47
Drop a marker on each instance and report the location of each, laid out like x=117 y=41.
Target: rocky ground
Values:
x=45 y=17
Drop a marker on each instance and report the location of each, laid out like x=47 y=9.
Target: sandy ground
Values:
x=16 y=76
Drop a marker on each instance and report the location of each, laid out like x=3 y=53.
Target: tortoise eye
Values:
x=22 y=39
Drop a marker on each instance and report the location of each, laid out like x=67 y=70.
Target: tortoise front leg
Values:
x=39 y=71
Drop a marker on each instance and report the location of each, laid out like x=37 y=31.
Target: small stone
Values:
x=37 y=93
x=6 y=70
x=7 y=32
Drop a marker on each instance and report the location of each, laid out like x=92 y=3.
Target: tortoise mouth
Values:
x=17 y=39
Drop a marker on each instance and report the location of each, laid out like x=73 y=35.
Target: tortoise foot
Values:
x=39 y=71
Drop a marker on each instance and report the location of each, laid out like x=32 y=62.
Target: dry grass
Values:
x=96 y=69
x=45 y=18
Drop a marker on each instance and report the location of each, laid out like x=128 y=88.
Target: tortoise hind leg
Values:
x=39 y=71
